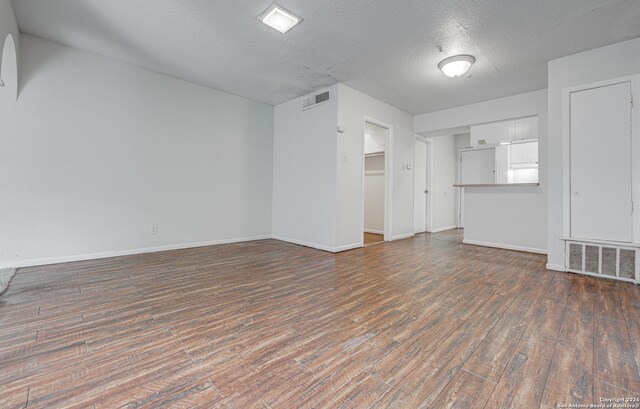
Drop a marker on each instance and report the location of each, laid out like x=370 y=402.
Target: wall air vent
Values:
x=603 y=260
x=315 y=99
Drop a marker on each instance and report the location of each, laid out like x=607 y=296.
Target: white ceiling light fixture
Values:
x=457 y=65
x=279 y=18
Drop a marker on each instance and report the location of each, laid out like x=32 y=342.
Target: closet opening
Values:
x=376 y=183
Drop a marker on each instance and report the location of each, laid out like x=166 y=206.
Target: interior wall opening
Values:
x=376 y=140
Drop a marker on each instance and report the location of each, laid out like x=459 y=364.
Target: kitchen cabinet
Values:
x=490 y=134
x=524 y=129
x=504 y=131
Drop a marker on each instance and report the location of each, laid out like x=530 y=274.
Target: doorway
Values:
x=376 y=182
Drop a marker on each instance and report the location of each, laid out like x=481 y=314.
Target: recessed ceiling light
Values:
x=457 y=65
x=279 y=18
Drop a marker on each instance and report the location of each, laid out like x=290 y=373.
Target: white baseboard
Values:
x=348 y=247
x=439 y=229
x=556 y=267
x=402 y=236
x=304 y=243
x=117 y=253
x=373 y=231
x=505 y=246
x=318 y=246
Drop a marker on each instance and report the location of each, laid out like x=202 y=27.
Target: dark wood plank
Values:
x=429 y=375
x=614 y=361
x=372 y=238
x=423 y=322
x=523 y=381
x=465 y=391
x=486 y=365
x=570 y=379
x=490 y=359
x=630 y=304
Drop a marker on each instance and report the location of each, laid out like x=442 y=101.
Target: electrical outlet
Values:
x=154 y=230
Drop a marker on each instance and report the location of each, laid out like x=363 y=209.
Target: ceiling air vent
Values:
x=315 y=100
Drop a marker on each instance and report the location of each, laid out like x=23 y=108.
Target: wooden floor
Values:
x=422 y=322
x=372 y=238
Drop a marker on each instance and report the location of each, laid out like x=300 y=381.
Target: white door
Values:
x=601 y=163
x=420 y=188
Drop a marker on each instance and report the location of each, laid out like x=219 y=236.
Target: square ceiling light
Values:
x=279 y=18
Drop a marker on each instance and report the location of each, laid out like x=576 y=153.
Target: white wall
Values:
x=374 y=194
x=462 y=117
x=8 y=24
x=373 y=144
x=318 y=173
x=505 y=217
x=304 y=186
x=591 y=66
x=353 y=107
x=443 y=194
x=96 y=152
x=9 y=43
x=517 y=224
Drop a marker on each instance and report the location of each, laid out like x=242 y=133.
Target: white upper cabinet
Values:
x=505 y=131
x=524 y=129
x=490 y=134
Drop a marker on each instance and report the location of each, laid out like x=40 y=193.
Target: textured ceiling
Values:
x=385 y=48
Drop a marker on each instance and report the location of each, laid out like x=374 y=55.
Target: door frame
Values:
x=566 y=150
x=388 y=178
x=460 y=204
x=429 y=167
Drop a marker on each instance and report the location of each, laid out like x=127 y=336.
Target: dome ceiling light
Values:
x=457 y=65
